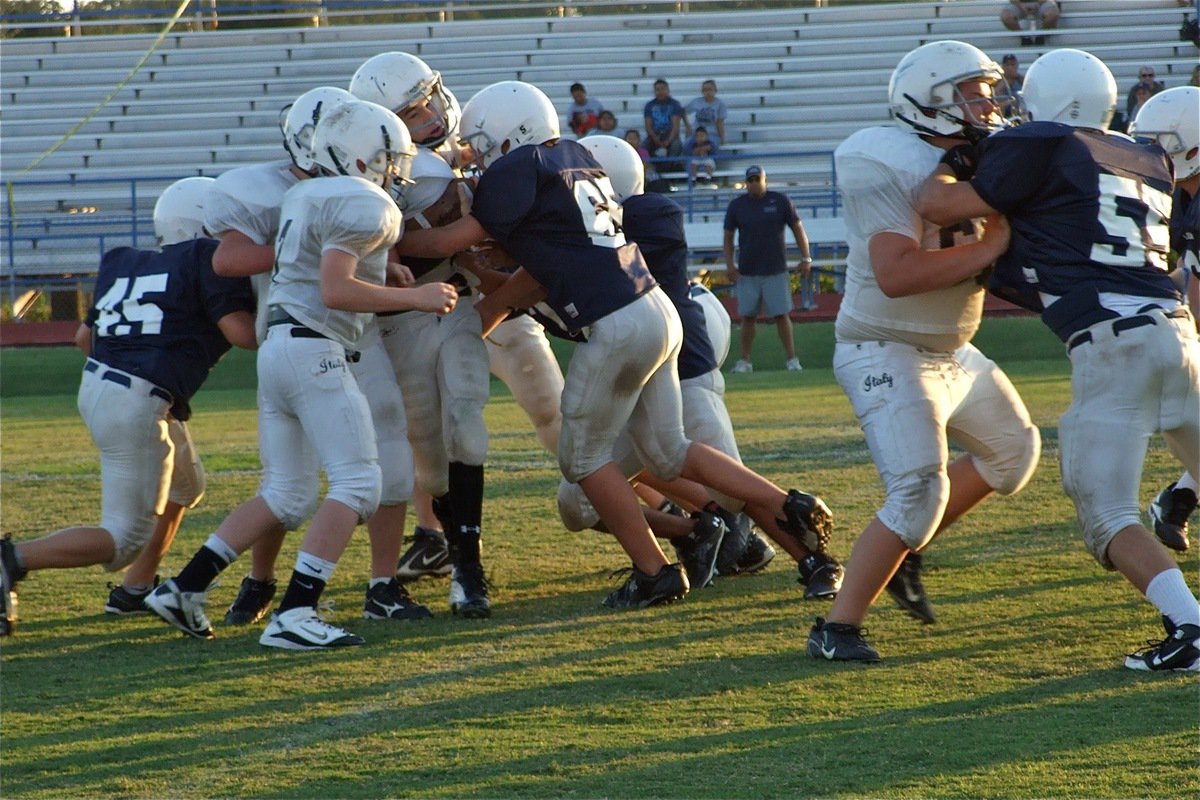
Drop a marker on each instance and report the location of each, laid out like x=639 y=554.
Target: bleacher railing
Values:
x=94 y=18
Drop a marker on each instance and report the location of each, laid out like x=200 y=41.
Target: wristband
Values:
x=806 y=260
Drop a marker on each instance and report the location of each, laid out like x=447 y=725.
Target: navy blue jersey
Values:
x=1185 y=229
x=551 y=208
x=761 y=223
x=655 y=223
x=155 y=315
x=1089 y=214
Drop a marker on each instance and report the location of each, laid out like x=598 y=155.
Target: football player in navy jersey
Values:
x=655 y=223
x=549 y=205
x=1089 y=213
x=159 y=322
x=1172 y=120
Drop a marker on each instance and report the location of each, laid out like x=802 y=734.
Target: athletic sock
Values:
x=466 y=487
x=308 y=581
x=1169 y=593
x=208 y=562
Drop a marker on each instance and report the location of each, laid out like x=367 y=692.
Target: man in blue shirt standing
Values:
x=761 y=275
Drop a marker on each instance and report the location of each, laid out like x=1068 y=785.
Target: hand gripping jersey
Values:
x=879 y=171
x=655 y=223
x=554 y=211
x=247 y=200
x=155 y=315
x=345 y=213
x=1089 y=214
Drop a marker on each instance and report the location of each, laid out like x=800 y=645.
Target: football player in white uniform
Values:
x=441 y=362
x=159 y=322
x=332 y=251
x=244 y=213
x=548 y=203
x=914 y=299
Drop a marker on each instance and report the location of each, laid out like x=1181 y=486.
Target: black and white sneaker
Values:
x=10 y=573
x=834 y=641
x=1169 y=514
x=301 y=629
x=469 y=592
x=123 y=602
x=821 y=575
x=642 y=590
x=1178 y=652
x=429 y=554
x=184 y=610
x=906 y=589
x=733 y=546
x=392 y=601
x=757 y=555
x=807 y=518
x=698 y=551
x=252 y=601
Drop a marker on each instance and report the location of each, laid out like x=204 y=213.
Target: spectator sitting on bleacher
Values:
x=1013 y=81
x=1041 y=15
x=1145 y=79
x=663 y=116
x=584 y=112
x=654 y=181
x=606 y=124
x=707 y=110
x=701 y=147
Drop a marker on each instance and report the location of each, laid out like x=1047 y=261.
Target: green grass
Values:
x=1017 y=692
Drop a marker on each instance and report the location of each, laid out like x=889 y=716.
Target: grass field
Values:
x=1017 y=692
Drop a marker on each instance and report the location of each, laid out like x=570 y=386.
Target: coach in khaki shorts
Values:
x=761 y=274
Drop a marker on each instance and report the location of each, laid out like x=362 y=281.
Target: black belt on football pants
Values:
x=123 y=379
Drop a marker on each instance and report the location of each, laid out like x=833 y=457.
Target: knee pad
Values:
x=1100 y=518
x=128 y=541
x=467 y=439
x=574 y=509
x=914 y=506
x=292 y=501
x=664 y=462
x=358 y=485
x=396 y=469
x=1011 y=464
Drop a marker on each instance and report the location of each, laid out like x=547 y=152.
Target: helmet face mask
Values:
x=1171 y=119
x=505 y=116
x=179 y=211
x=930 y=90
x=298 y=121
x=365 y=140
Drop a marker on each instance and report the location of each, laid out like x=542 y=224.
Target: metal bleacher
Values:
x=796 y=81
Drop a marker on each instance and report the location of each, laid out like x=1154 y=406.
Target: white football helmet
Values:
x=430 y=177
x=923 y=91
x=509 y=111
x=621 y=163
x=367 y=141
x=179 y=211
x=397 y=80
x=1072 y=87
x=299 y=119
x=1172 y=119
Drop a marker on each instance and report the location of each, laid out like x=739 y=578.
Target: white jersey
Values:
x=247 y=200
x=879 y=171
x=339 y=213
